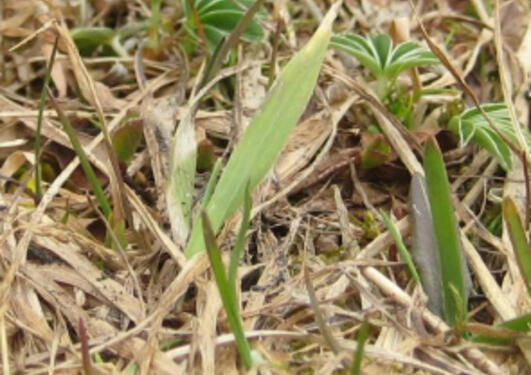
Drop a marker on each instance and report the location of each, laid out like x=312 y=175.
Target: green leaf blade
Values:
x=126 y=140
x=472 y=126
x=447 y=236
x=87 y=39
x=399 y=242
x=406 y=56
x=239 y=245
x=227 y=293
x=219 y=18
x=268 y=132
x=363 y=335
x=505 y=333
x=521 y=245
x=383 y=45
x=83 y=160
x=358 y=47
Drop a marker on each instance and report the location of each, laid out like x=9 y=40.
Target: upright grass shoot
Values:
x=521 y=245
x=363 y=335
x=447 y=237
x=268 y=132
x=40 y=118
x=227 y=292
x=83 y=160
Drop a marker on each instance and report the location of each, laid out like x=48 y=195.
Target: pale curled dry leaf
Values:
x=159 y=125
x=173 y=161
x=180 y=188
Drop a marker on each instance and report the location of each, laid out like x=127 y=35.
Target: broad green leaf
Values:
x=360 y=48
x=126 y=140
x=227 y=21
x=218 y=19
x=261 y=144
x=446 y=235
x=87 y=39
x=377 y=54
x=521 y=245
x=227 y=293
x=383 y=46
x=471 y=126
x=228 y=42
x=406 y=56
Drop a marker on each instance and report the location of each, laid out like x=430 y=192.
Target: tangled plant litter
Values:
x=66 y=294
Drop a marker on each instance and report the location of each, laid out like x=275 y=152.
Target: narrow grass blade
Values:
x=237 y=251
x=83 y=159
x=521 y=245
x=212 y=181
x=268 y=132
x=40 y=117
x=404 y=252
x=503 y=334
x=446 y=235
x=383 y=45
x=227 y=293
x=363 y=335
